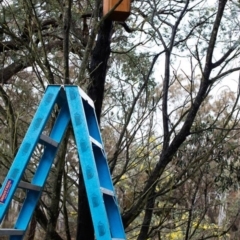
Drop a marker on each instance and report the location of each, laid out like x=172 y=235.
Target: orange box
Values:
x=120 y=13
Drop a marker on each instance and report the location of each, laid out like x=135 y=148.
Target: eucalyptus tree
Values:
x=149 y=78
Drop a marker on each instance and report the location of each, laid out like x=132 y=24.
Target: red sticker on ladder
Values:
x=6 y=191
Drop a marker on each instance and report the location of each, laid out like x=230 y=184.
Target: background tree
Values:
x=172 y=143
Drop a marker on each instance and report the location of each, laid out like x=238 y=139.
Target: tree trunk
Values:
x=54 y=209
x=98 y=66
x=85 y=227
x=32 y=228
x=98 y=70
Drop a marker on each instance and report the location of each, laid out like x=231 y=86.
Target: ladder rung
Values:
x=29 y=186
x=95 y=142
x=11 y=232
x=107 y=191
x=46 y=139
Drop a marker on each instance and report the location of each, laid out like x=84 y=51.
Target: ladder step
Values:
x=96 y=143
x=86 y=97
x=44 y=139
x=29 y=186
x=107 y=191
x=11 y=232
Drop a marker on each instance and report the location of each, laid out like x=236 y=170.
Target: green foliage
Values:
x=170 y=130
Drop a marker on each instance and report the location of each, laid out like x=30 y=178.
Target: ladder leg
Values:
x=26 y=149
x=43 y=170
x=99 y=216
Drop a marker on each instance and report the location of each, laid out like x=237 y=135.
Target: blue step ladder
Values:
x=75 y=107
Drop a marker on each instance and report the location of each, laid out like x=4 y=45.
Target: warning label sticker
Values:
x=6 y=191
